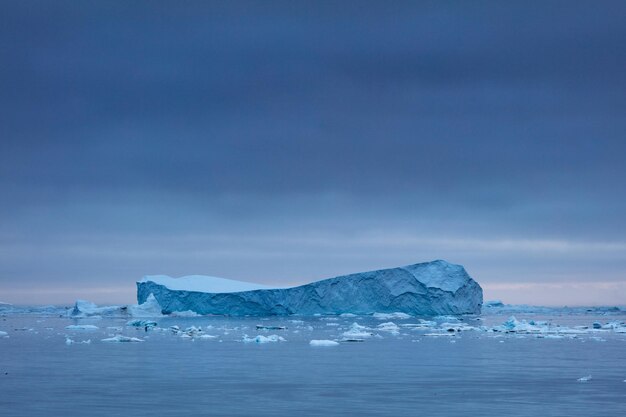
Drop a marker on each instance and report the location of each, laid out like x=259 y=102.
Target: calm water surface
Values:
x=410 y=374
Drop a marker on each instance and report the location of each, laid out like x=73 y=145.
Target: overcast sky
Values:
x=283 y=142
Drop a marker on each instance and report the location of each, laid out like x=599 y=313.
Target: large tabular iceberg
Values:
x=431 y=288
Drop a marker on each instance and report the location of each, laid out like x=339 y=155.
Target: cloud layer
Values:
x=283 y=142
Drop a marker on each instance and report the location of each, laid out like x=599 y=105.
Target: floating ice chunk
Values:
x=390 y=316
x=122 y=339
x=263 y=339
x=550 y=336
x=584 y=379
x=356 y=331
x=4 y=334
x=146 y=324
x=69 y=341
x=261 y=327
x=192 y=331
x=515 y=326
x=423 y=325
x=149 y=308
x=186 y=313
x=613 y=325
x=87 y=327
x=207 y=337
x=390 y=327
x=323 y=343
x=347 y=315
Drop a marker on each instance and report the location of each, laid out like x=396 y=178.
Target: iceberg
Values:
x=356 y=331
x=83 y=308
x=427 y=289
x=149 y=308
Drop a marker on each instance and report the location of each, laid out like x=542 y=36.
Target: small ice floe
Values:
x=614 y=325
x=423 y=324
x=81 y=327
x=347 y=315
x=192 y=331
x=390 y=316
x=512 y=325
x=146 y=324
x=69 y=341
x=390 y=327
x=550 y=336
x=261 y=327
x=122 y=339
x=186 y=313
x=584 y=379
x=323 y=343
x=356 y=331
x=207 y=337
x=332 y=324
x=440 y=334
x=3 y=334
x=263 y=339
x=296 y=321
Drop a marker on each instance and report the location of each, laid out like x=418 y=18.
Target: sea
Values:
x=538 y=363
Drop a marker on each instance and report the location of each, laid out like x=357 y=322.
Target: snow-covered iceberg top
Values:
x=203 y=283
x=430 y=288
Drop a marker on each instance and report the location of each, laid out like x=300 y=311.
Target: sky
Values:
x=285 y=142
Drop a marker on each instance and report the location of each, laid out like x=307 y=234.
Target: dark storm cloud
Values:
x=481 y=120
